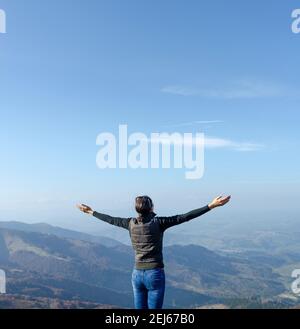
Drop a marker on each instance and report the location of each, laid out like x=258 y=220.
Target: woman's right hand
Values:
x=219 y=201
x=84 y=208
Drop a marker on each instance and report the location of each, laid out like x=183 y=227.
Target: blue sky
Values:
x=70 y=70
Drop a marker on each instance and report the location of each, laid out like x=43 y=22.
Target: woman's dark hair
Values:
x=143 y=205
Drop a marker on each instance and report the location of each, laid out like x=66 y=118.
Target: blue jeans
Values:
x=148 y=288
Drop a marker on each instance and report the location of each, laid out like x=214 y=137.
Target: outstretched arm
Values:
x=167 y=222
x=116 y=221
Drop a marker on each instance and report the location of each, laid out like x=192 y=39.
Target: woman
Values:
x=146 y=233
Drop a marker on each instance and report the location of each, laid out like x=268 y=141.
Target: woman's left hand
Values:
x=84 y=208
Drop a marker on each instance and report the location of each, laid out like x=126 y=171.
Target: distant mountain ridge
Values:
x=48 y=266
x=63 y=267
x=58 y=231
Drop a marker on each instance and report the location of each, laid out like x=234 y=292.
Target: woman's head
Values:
x=143 y=205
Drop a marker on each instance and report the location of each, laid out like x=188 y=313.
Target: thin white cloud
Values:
x=211 y=143
x=197 y=122
x=237 y=90
x=180 y=90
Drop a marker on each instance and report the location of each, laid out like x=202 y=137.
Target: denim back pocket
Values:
x=156 y=279
x=134 y=275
